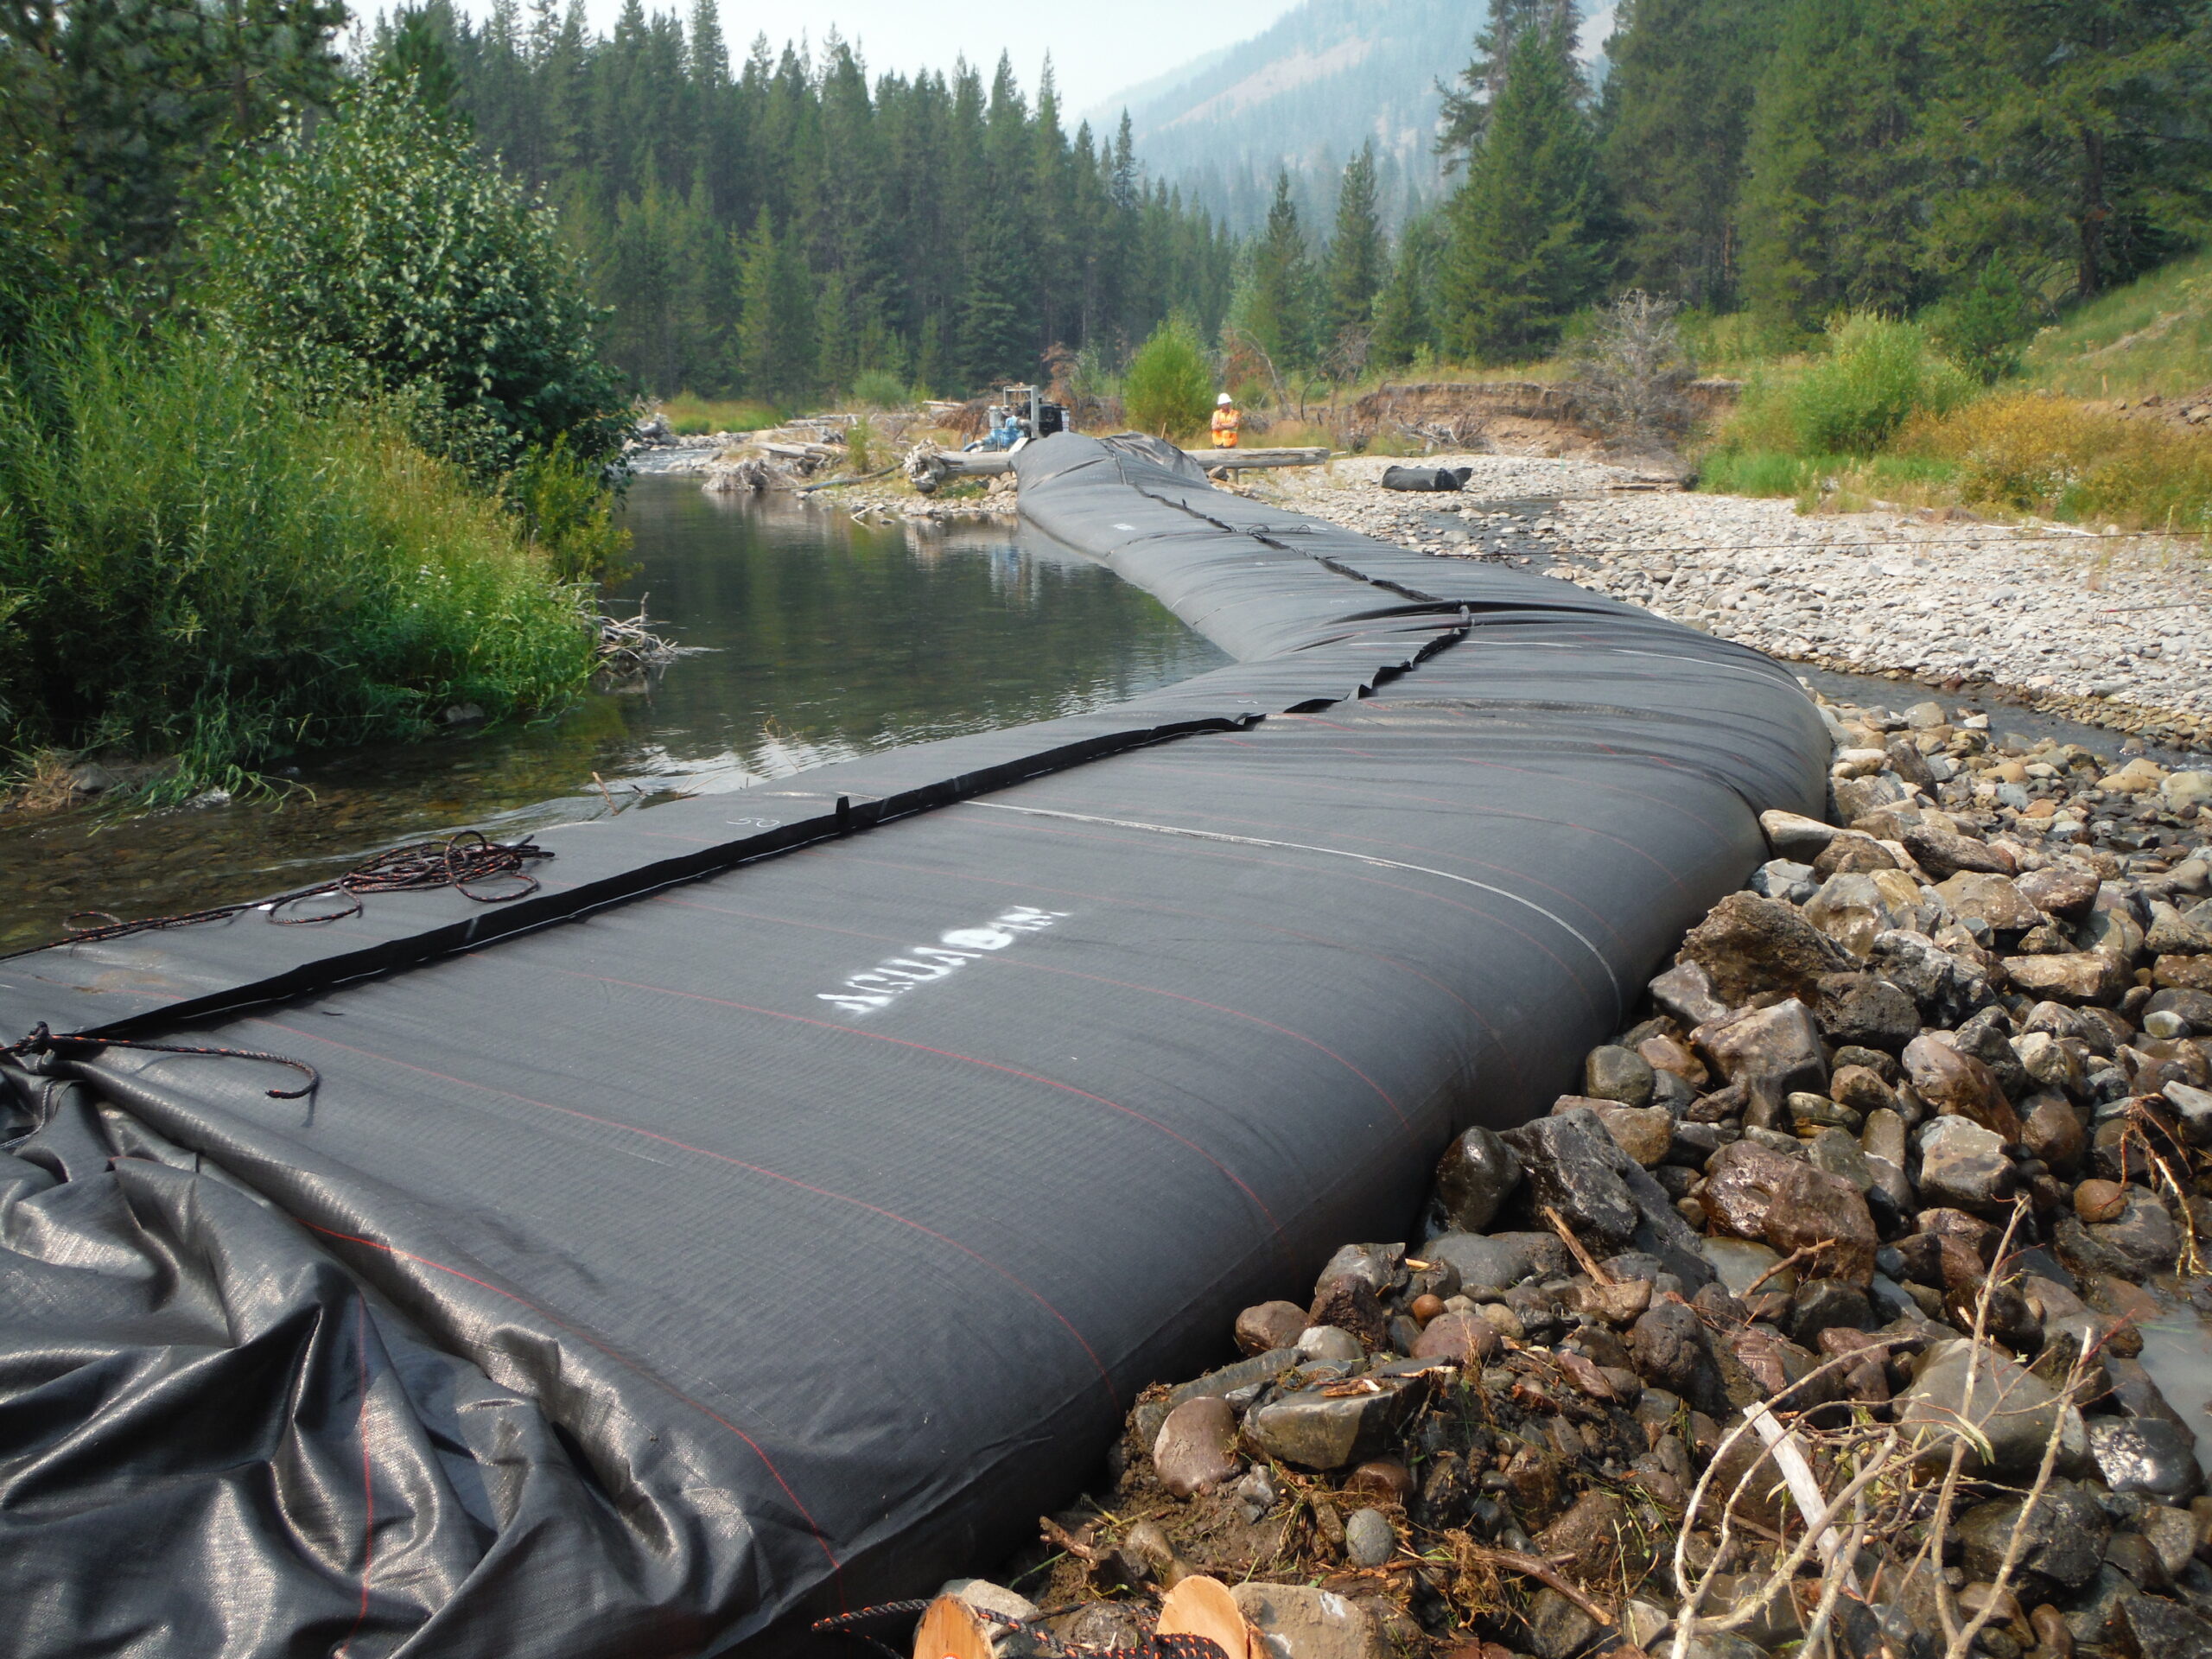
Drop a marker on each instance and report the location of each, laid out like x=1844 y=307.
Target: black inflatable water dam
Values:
x=781 y=1208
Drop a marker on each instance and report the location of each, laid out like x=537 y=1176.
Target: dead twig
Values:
x=1534 y=1566
x=1582 y=1256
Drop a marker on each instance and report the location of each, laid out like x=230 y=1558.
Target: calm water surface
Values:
x=828 y=639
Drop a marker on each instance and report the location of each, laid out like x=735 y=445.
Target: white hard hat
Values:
x=1223 y=400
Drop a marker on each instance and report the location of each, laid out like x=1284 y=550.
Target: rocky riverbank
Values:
x=1814 y=1315
x=2111 y=630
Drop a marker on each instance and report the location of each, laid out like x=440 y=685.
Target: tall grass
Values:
x=2052 y=456
x=191 y=567
x=690 y=416
x=2153 y=335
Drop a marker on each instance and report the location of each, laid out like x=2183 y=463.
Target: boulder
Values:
x=1811 y=1206
x=1685 y=993
x=2015 y=1412
x=1769 y=1051
x=1747 y=945
x=1955 y=1082
x=1947 y=988
x=1866 y=1009
x=1570 y=1164
x=1792 y=836
x=1963 y=1164
x=1476 y=1173
x=2065 y=1540
x=1741 y=1182
x=2076 y=975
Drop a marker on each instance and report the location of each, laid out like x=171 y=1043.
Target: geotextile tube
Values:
x=782 y=1207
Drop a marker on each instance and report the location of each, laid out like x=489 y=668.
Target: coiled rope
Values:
x=42 y=1042
x=468 y=861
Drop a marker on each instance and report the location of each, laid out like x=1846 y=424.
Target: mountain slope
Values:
x=1304 y=95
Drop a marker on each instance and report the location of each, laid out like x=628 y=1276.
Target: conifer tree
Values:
x=1404 y=325
x=775 y=328
x=1676 y=118
x=1357 y=254
x=1278 y=311
x=1465 y=114
x=1524 y=252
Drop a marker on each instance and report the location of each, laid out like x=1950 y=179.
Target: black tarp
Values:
x=780 y=1210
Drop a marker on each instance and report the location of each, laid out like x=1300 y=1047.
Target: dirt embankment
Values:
x=1510 y=417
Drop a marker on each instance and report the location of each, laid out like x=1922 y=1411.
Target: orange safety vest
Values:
x=1225 y=423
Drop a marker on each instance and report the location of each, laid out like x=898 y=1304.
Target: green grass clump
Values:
x=191 y=567
x=691 y=416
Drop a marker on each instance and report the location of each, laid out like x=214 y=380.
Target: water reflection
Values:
x=826 y=639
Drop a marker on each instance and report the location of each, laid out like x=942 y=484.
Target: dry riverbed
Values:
x=2109 y=630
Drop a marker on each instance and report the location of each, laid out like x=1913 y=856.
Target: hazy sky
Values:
x=1097 y=48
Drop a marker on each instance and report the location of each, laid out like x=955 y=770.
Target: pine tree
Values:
x=1403 y=325
x=1465 y=114
x=1833 y=203
x=1277 y=311
x=415 y=51
x=1356 y=256
x=776 y=327
x=1677 y=119
x=1524 y=254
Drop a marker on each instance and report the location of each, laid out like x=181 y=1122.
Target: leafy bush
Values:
x=198 y=568
x=568 y=514
x=2051 y=455
x=1168 y=390
x=880 y=389
x=1876 y=375
x=373 y=247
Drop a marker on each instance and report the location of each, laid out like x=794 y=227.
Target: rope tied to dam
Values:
x=42 y=1043
x=468 y=862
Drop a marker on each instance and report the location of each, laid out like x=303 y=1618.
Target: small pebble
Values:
x=1369 y=1539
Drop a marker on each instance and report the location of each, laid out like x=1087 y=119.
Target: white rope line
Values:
x=1334 y=852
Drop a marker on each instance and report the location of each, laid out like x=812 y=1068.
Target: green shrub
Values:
x=198 y=568
x=1876 y=375
x=567 y=513
x=1168 y=390
x=1985 y=328
x=373 y=247
x=880 y=389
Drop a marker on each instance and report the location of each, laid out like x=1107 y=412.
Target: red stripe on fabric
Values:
x=720 y=1157
x=953 y=1054
x=1047 y=968
x=767 y=1462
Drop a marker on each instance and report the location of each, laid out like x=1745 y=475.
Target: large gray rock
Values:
x=1943 y=854
x=1620 y=1075
x=2066 y=1535
x=2076 y=976
x=1990 y=898
x=2015 y=1413
x=1500 y=1260
x=1866 y=1009
x=1947 y=988
x=2146 y=1454
x=1963 y=1165
x=1298 y=1622
x=1316 y=1430
x=2144 y=1240
x=1571 y=1165
x=1476 y=1173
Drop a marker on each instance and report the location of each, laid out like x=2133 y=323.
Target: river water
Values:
x=824 y=639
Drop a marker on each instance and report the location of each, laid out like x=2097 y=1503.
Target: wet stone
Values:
x=1315 y=1430
x=1812 y=1207
x=1740 y=1184
x=2066 y=1535
x=1747 y=945
x=1963 y=1163
x=2066 y=891
x=2142 y=1238
x=1570 y=1168
x=2051 y=1131
x=1478 y=1172
x=1769 y=1051
x=1865 y=1009
x=1465 y=1339
x=1499 y=1261
x=2015 y=1412
x=1954 y=1083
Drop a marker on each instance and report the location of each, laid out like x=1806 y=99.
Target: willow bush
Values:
x=191 y=565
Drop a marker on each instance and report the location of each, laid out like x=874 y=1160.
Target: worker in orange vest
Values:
x=1226 y=420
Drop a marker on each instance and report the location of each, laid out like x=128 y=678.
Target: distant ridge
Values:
x=1305 y=94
